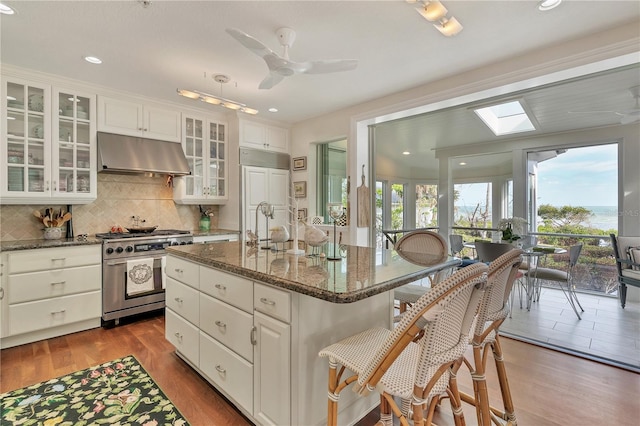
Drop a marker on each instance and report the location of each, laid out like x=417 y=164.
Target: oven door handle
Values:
x=124 y=262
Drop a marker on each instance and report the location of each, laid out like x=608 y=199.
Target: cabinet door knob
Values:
x=178 y=299
x=221 y=324
x=221 y=370
x=178 y=336
x=220 y=287
x=267 y=301
x=179 y=270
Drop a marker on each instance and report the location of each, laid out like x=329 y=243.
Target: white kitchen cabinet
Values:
x=50 y=292
x=242 y=349
x=265 y=184
x=204 y=145
x=271 y=370
x=129 y=117
x=50 y=144
x=264 y=136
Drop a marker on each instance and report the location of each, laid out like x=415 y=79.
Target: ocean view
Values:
x=603 y=217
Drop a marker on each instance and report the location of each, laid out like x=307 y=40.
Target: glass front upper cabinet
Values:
x=26 y=144
x=72 y=158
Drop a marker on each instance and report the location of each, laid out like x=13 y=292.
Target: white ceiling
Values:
x=154 y=50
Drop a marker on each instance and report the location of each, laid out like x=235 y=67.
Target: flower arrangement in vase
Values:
x=512 y=228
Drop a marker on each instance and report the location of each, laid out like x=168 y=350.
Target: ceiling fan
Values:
x=627 y=116
x=281 y=66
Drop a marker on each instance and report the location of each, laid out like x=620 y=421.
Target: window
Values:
x=472 y=205
x=426 y=206
x=332 y=176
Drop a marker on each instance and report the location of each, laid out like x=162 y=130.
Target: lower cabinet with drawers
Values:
x=50 y=292
x=234 y=332
x=258 y=343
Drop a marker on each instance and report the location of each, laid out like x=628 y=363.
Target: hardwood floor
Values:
x=548 y=387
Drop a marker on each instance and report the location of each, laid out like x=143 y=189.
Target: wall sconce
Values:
x=434 y=11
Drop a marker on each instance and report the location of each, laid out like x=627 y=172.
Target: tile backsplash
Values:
x=119 y=198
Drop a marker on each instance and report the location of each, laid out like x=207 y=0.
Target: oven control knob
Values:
x=109 y=250
x=189 y=242
x=182 y=243
x=129 y=249
x=174 y=243
x=119 y=250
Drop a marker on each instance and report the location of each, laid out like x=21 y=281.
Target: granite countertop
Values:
x=41 y=243
x=362 y=271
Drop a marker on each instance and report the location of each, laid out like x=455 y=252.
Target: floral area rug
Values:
x=118 y=392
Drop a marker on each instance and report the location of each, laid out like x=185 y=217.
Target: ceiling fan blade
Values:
x=250 y=43
x=271 y=80
x=630 y=118
x=330 y=65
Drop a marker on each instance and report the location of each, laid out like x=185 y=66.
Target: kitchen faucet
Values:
x=267 y=210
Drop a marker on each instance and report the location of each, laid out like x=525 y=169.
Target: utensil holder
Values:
x=52 y=233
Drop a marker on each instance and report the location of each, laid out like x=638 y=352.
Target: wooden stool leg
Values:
x=454 y=395
x=480 y=391
x=386 y=419
x=509 y=410
x=332 y=409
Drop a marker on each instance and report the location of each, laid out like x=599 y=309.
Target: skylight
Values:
x=507 y=118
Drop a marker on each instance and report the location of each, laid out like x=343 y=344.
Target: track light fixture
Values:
x=434 y=11
x=217 y=100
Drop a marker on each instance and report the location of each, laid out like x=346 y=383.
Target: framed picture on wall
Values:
x=302 y=214
x=300 y=189
x=299 y=163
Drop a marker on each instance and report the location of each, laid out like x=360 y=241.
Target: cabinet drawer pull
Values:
x=1 y=293
x=61 y=311
x=179 y=270
x=221 y=324
x=178 y=336
x=252 y=336
x=267 y=301
x=59 y=283
x=61 y=259
x=220 y=287
x=221 y=370
x=178 y=299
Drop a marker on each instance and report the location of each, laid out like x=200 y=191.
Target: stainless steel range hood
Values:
x=130 y=154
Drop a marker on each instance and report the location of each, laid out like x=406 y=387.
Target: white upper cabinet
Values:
x=48 y=144
x=205 y=145
x=136 y=119
x=264 y=136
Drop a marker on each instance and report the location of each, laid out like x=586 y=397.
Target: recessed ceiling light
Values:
x=462 y=163
x=93 y=59
x=6 y=10
x=545 y=5
x=405 y=153
x=273 y=109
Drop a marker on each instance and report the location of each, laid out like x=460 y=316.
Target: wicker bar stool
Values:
x=393 y=364
x=415 y=246
x=493 y=310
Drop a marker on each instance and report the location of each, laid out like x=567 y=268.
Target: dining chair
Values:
x=487 y=251
x=416 y=246
x=457 y=244
x=492 y=311
x=391 y=363
x=627 y=263
x=563 y=278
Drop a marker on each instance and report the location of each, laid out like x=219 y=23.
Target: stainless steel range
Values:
x=133 y=276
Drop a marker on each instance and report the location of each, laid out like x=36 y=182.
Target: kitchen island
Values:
x=252 y=321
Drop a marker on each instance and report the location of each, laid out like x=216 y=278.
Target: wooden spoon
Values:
x=45 y=221
x=66 y=217
x=37 y=214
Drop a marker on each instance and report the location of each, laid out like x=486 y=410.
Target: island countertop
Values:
x=362 y=271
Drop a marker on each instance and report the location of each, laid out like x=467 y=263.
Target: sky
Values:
x=579 y=177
